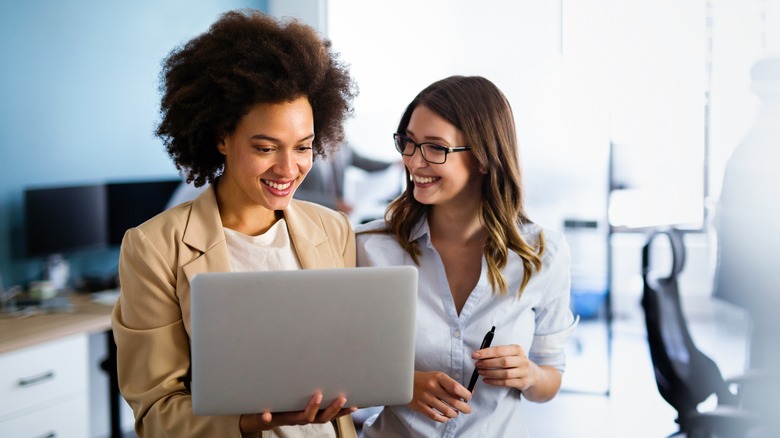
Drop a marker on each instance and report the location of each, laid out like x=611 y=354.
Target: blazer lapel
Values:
x=307 y=238
x=204 y=235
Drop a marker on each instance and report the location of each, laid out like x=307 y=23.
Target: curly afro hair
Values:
x=245 y=58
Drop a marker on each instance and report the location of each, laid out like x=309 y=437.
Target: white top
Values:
x=540 y=322
x=271 y=251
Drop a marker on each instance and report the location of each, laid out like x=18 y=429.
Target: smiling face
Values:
x=457 y=182
x=266 y=158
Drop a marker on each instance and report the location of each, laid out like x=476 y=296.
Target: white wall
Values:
x=579 y=74
x=396 y=48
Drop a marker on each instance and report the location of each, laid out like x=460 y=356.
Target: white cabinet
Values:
x=44 y=390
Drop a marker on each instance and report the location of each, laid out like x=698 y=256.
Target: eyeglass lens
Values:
x=431 y=152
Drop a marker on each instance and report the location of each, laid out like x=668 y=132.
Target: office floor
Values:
x=634 y=407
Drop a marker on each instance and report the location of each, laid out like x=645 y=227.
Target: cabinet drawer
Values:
x=43 y=373
x=68 y=419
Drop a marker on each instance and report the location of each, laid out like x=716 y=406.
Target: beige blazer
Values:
x=151 y=319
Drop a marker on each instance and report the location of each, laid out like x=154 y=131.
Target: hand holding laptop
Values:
x=312 y=414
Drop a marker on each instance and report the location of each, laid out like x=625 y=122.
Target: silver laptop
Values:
x=268 y=340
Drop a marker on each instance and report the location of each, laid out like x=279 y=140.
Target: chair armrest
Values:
x=725 y=421
x=758 y=391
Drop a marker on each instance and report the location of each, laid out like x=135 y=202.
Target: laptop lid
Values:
x=269 y=340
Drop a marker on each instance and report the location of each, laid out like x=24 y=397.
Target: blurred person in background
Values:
x=325 y=183
x=748 y=268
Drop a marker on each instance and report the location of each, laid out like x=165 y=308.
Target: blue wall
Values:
x=79 y=100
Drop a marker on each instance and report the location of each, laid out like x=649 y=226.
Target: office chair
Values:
x=684 y=375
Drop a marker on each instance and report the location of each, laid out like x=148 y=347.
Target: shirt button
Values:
x=458 y=375
x=457 y=334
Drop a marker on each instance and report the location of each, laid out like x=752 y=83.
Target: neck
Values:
x=456 y=224
x=239 y=213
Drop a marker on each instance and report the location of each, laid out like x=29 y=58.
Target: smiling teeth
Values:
x=424 y=180
x=277 y=186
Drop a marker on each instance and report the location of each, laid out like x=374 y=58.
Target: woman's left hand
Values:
x=506 y=365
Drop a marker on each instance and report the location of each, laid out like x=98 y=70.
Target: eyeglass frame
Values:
x=447 y=150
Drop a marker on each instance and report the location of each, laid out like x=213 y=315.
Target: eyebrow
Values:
x=276 y=140
x=429 y=139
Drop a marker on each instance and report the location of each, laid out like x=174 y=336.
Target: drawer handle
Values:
x=49 y=435
x=27 y=381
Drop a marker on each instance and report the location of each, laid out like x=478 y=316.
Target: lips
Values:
x=425 y=179
x=277 y=186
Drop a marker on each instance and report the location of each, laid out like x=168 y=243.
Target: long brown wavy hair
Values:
x=482 y=113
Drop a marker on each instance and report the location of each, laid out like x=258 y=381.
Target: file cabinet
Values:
x=44 y=390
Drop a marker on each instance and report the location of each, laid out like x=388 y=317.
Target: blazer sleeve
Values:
x=153 y=354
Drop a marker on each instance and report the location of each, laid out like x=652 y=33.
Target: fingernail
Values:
x=475 y=355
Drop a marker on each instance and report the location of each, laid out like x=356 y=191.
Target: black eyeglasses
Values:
x=431 y=152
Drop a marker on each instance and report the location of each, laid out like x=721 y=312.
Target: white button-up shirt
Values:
x=540 y=322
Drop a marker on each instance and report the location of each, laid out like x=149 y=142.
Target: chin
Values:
x=423 y=200
x=280 y=205
x=276 y=204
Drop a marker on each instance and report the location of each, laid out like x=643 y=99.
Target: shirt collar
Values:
x=421 y=230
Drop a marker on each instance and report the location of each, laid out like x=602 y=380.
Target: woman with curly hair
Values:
x=483 y=267
x=245 y=108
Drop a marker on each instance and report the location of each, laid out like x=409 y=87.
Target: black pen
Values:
x=485 y=344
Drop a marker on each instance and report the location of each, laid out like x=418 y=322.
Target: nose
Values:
x=416 y=160
x=286 y=164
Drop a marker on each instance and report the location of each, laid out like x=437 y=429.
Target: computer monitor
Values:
x=133 y=203
x=61 y=220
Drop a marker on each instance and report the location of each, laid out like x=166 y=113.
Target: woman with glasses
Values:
x=483 y=266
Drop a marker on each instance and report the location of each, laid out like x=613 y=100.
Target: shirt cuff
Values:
x=551 y=344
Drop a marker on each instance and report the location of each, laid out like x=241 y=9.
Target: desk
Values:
x=86 y=317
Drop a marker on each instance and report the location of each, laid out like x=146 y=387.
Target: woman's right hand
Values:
x=438 y=396
x=311 y=414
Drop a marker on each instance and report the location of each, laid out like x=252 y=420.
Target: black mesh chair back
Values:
x=684 y=375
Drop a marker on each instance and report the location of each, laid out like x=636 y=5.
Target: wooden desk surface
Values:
x=86 y=316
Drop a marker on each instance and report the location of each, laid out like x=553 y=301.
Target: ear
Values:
x=221 y=147
x=482 y=170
